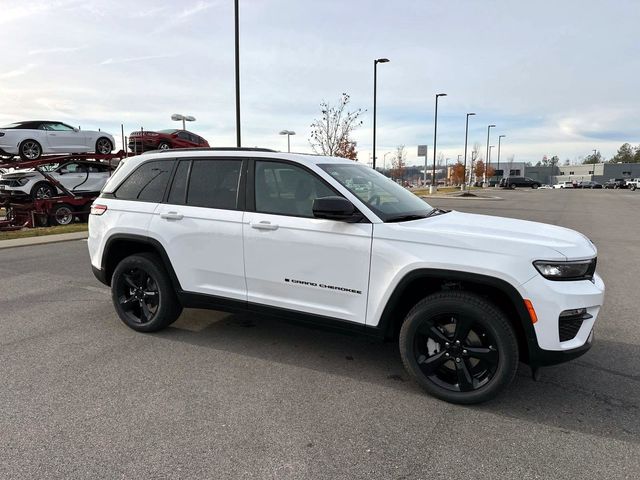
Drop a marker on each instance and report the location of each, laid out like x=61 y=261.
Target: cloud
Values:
x=112 y=61
x=42 y=51
x=18 y=71
x=197 y=8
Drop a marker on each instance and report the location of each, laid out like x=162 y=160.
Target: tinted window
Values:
x=183 y=135
x=147 y=183
x=73 y=168
x=179 y=186
x=214 y=183
x=285 y=189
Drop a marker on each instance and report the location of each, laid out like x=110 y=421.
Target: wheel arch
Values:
x=120 y=246
x=419 y=283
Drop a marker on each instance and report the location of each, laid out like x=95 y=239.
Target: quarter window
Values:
x=214 y=184
x=147 y=183
x=286 y=189
x=178 y=190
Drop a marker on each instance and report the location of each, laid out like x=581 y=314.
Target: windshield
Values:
x=12 y=125
x=383 y=196
x=169 y=131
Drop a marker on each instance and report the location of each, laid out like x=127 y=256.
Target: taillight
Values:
x=98 y=209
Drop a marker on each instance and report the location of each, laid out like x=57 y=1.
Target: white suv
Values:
x=331 y=241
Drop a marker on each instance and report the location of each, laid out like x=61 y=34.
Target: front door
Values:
x=295 y=261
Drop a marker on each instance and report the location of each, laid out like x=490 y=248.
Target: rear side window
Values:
x=147 y=183
x=214 y=184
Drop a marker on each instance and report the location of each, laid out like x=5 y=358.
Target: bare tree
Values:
x=330 y=134
x=399 y=163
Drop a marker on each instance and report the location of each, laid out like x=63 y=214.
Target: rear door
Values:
x=295 y=261
x=200 y=226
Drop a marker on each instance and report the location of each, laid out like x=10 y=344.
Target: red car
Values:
x=143 y=141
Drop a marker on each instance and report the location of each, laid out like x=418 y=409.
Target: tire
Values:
x=164 y=145
x=30 y=150
x=143 y=295
x=103 y=146
x=43 y=190
x=512 y=186
x=633 y=188
x=430 y=349
x=62 y=214
x=535 y=186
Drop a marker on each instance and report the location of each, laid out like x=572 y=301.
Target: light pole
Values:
x=176 y=117
x=500 y=137
x=375 y=94
x=488 y=162
x=484 y=179
x=466 y=141
x=237 y=32
x=433 y=188
x=384 y=160
x=288 y=133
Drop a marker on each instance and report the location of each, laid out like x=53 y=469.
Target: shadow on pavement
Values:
x=586 y=395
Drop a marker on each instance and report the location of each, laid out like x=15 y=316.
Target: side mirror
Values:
x=335 y=208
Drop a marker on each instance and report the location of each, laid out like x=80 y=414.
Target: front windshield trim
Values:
x=384 y=197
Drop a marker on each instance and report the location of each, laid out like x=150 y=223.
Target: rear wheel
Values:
x=459 y=347
x=164 y=145
x=30 y=150
x=143 y=295
x=512 y=186
x=62 y=214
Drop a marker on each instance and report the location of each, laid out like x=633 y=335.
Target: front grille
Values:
x=569 y=323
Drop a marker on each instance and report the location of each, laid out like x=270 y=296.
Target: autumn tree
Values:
x=457 y=173
x=399 y=163
x=331 y=134
x=490 y=171
x=478 y=169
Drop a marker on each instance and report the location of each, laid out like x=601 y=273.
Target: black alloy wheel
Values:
x=459 y=347
x=143 y=294
x=139 y=295
x=42 y=190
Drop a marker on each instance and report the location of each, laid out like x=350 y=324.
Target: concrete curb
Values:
x=42 y=239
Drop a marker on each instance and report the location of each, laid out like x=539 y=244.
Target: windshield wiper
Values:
x=406 y=218
x=436 y=211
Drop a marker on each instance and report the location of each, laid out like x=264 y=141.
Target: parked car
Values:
x=143 y=141
x=545 y=187
x=520 y=182
x=290 y=236
x=32 y=139
x=75 y=176
x=589 y=184
x=615 y=183
x=633 y=184
x=567 y=184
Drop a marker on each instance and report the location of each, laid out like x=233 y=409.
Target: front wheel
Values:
x=164 y=146
x=103 y=146
x=459 y=347
x=30 y=150
x=42 y=190
x=143 y=295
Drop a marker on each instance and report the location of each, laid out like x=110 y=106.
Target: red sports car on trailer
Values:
x=143 y=141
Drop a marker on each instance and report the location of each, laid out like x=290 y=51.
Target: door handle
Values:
x=171 y=216
x=264 y=225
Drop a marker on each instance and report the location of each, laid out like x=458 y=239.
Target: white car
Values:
x=545 y=187
x=296 y=236
x=76 y=176
x=32 y=139
x=563 y=185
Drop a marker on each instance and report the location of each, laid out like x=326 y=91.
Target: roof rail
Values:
x=213 y=149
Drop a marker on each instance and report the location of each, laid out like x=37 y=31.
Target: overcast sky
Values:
x=557 y=77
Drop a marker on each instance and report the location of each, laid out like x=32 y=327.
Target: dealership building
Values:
x=599 y=172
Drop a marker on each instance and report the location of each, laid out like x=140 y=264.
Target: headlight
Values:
x=577 y=270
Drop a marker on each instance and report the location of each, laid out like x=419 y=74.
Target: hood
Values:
x=485 y=233
x=19 y=174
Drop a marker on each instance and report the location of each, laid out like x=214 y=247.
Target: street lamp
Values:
x=488 y=162
x=288 y=133
x=466 y=141
x=500 y=137
x=484 y=179
x=184 y=118
x=237 y=61
x=375 y=94
x=433 y=188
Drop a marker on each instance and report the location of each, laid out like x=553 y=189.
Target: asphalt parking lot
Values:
x=235 y=396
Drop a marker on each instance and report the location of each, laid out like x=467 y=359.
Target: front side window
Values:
x=214 y=184
x=59 y=127
x=72 y=168
x=147 y=183
x=285 y=189
x=387 y=199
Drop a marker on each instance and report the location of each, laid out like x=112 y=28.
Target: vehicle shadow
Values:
x=592 y=395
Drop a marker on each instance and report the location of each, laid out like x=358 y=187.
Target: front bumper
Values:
x=550 y=299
